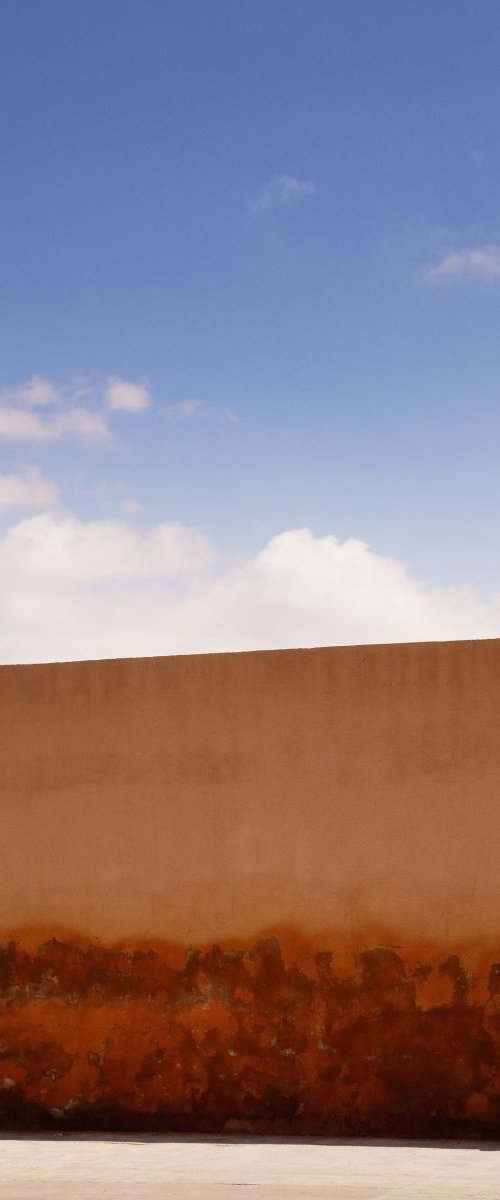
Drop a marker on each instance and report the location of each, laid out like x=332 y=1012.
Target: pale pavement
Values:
x=80 y=1167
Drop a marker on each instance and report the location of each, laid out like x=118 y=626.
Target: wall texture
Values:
x=253 y=892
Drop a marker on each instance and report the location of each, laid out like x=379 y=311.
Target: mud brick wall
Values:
x=255 y=892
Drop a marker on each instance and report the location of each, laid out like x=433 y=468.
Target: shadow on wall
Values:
x=240 y=1040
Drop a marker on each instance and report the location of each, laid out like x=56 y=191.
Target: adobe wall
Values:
x=254 y=892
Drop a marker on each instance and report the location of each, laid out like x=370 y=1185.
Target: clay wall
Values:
x=255 y=892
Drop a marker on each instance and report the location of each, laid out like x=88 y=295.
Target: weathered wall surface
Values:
x=256 y=891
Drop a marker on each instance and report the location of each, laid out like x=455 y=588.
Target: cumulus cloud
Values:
x=61 y=553
x=103 y=589
x=27 y=490
x=34 y=392
x=24 y=415
x=16 y=423
x=125 y=396
x=479 y=262
x=20 y=420
x=279 y=192
x=81 y=423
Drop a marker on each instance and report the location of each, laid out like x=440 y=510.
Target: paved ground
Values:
x=140 y=1168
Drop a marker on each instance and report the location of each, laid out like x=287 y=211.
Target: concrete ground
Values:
x=81 y=1167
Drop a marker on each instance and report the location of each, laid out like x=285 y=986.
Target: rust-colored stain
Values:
x=245 y=1039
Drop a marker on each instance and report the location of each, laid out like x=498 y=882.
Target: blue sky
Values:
x=279 y=221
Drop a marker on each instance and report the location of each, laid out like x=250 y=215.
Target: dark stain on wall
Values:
x=93 y=1037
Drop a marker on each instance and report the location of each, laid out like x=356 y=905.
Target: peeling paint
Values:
x=244 y=1039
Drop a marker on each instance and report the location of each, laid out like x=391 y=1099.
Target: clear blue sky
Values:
x=142 y=237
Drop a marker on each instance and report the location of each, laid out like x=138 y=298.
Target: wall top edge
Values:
x=369 y=648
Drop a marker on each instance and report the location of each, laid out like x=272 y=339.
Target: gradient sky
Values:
x=279 y=219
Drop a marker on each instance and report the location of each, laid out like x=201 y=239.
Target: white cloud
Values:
x=102 y=589
x=125 y=396
x=80 y=423
x=19 y=418
x=34 y=392
x=22 y=424
x=280 y=191
x=16 y=423
x=479 y=262
x=29 y=490
x=61 y=553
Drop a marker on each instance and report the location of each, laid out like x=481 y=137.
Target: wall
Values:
x=253 y=892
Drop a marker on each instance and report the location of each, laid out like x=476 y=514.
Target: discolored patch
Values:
x=247 y=1040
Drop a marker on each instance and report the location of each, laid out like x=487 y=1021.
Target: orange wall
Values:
x=284 y=807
